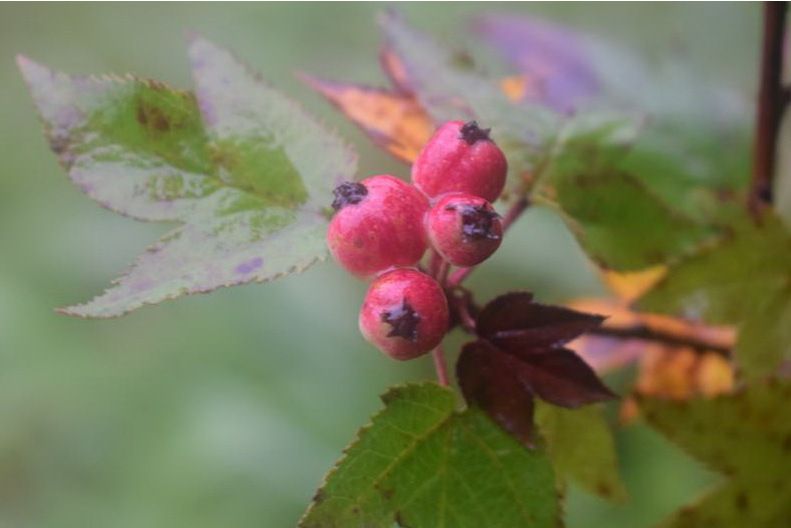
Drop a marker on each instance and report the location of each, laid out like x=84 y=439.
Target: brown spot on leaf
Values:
x=742 y=501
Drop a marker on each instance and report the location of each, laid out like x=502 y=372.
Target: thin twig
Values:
x=440 y=366
x=771 y=101
x=645 y=333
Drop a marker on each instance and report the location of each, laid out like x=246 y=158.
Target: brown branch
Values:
x=645 y=333
x=771 y=101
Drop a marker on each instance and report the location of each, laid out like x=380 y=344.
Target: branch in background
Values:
x=771 y=101
x=645 y=333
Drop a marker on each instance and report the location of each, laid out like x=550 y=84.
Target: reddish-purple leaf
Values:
x=515 y=322
x=561 y=377
x=487 y=379
x=551 y=56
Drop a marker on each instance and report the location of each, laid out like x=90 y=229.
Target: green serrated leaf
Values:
x=744 y=280
x=422 y=464
x=746 y=436
x=617 y=219
x=245 y=170
x=449 y=89
x=582 y=449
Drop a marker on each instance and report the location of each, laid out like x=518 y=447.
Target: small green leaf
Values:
x=744 y=280
x=581 y=447
x=746 y=436
x=422 y=464
x=616 y=218
x=244 y=169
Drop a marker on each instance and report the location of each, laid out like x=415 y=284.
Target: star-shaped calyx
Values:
x=472 y=133
x=477 y=222
x=348 y=193
x=403 y=321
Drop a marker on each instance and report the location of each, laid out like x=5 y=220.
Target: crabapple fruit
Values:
x=404 y=314
x=461 y=157
x=378 y=224
x=464 y=229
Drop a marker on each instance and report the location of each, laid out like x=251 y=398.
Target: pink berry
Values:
x=404 y=314
x=378 y=225
x=461 y=157
x=464 y=229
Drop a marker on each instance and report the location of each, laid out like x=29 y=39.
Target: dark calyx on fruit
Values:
x=477 y=222
x=348 y=193
x=472 y=133
x=403 y=320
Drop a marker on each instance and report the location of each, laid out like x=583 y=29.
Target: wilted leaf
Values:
x=421 y=464
x=582 y=448
x=248 y=176
x=744 y=280
x=746 y=436
x=393 y=120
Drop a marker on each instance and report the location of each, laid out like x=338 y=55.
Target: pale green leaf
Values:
x=422 y=464
x=582 y=448
x=244 y=169
x=747 y=437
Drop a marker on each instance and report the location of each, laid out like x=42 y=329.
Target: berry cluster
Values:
x=383 y=226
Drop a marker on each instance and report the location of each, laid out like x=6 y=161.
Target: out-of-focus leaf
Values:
x=520 y=355
x=744 y=280
x=582 y=449
x=451 y=91
x=393 y=120
x=422 y=464
x=618 y=221
x=696 y=149
x=244 y=169
x=578 y=70
x=553 y=57
x=514 y=320
x=746 y=436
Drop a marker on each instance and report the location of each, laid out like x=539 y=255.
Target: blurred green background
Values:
x=226 y=410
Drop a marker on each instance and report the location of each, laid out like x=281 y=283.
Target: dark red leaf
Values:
x=487 y=379
x=561 y=377
x=514 y=322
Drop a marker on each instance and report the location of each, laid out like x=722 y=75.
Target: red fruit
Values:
x=461 y=157
x=404 y=314
x=378 y=225
x=464 y=229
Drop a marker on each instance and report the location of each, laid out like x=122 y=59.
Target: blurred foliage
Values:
x=224 y=410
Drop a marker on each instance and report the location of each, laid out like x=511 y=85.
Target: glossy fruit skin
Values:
x=461 y=157
x=404 y=314
x=378 y=225
x=464 y=229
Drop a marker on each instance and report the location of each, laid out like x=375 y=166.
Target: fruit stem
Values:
x=771 y=102
x=441 y=367
x=516 y=210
